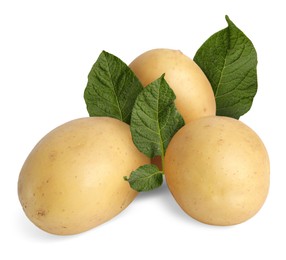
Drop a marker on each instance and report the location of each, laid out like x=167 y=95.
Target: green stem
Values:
x=163 y=162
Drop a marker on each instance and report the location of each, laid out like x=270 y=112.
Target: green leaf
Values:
x=145 y=178
x=154 y=118
x=229 y=60
x=112 y=88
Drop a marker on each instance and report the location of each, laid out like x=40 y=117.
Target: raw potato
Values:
x=218 y=170
x=72 y=180
x=194 y=95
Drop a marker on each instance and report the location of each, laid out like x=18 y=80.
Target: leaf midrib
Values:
x=113 y=89
x=159 y=129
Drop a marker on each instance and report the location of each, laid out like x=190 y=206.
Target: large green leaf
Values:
x=229 y=60
x=155 y=118
x=112 y=88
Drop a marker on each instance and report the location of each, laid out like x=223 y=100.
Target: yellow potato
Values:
x=218 y=170
x=72 y=180
x=194 y=95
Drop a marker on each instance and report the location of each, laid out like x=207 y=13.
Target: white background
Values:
x=46 y=51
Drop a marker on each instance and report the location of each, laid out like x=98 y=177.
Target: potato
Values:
x=194 y=94
x=217 y=169
x=72 y=180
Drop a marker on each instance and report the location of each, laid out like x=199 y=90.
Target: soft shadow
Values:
x=165 y=197
x=162 y=191
x=32 y=232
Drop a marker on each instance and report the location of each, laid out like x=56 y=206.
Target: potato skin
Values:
x=72 y=180
x=218 y=170
x=194 y=94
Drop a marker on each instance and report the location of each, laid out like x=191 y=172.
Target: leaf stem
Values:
x=163 y=162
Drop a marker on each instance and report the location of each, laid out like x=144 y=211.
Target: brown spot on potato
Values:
x=220 y=141
x=41 y=213
x=53 y=155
